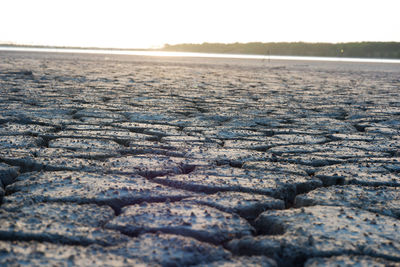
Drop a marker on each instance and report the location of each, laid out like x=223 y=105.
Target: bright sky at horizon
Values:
x=153 y=23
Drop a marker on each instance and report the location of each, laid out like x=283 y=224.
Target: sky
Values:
x=153 y=23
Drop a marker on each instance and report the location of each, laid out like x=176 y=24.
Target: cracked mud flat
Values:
x=127 y=160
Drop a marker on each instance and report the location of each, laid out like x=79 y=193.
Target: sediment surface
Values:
x=111 y=160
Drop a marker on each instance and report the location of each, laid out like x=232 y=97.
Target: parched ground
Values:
x=126 y=160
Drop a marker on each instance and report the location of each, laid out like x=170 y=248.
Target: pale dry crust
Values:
x=279 y=185
x=58 y=223
x=227 y=112
x=383 y=200
x=198 y=221
x=363 y=174
x=33 y=253
x=349 y=261
x=321 y=231
x=170 y=250
x=247 y=205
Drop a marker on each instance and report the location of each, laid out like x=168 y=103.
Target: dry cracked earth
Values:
x=128 y=160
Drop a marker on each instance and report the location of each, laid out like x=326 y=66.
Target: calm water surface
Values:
x=189 y=54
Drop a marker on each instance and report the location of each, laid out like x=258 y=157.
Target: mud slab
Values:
x=59 y=223
x=7 y=174
x=347 y=261
x=33 y=253
x=383 y=200
x=197 y=221
x=115 y=191
x=359 y=173
x=291 y=236
x=244 y=261
x=246 y=205
x=170 y=250
x=276 y=184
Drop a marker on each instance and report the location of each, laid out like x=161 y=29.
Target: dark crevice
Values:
x=151 y=151
x=105 y=99
x=236 y=164
x=331 y=180
x=25 y=165
x=291 y=192
x=117 y=207
x=310 y=172
x=115 y=204
x=314 y=163
x=135 y=130
x=77 y=116
x=182 y=169
x=187 y=168
x=200 y=109
x=44 y=141
x=58 y=128
x=185 y=232
x=151 y=133
x=393 y=153
x=154 y=138
x=288 y=197
x=262 y=148
x=184 y=113
x=50 y=238
x=287 y=194
x=288 y=255
x=359 y=128
x=273 y=229
x=153 y=174
x=372 y=184
x=30 y=165
x=9 y=192
x=122 y=142
x=192 y=188
x=74 y=111
x=231 y=163
x=342 y=116
x=25 y=120
x=96 y=157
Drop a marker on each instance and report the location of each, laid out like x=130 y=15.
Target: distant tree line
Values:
x=358 y=49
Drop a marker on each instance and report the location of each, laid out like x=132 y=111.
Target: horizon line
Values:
x=12 y=44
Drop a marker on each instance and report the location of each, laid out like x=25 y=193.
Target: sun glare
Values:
x=142 y=24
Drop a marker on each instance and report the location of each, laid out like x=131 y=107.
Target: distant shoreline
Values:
x=382 y=50
x=373 y=50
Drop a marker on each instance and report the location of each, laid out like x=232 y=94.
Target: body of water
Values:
x=189 y=54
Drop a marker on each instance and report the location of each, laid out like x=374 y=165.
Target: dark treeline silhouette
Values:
x=360 y=49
